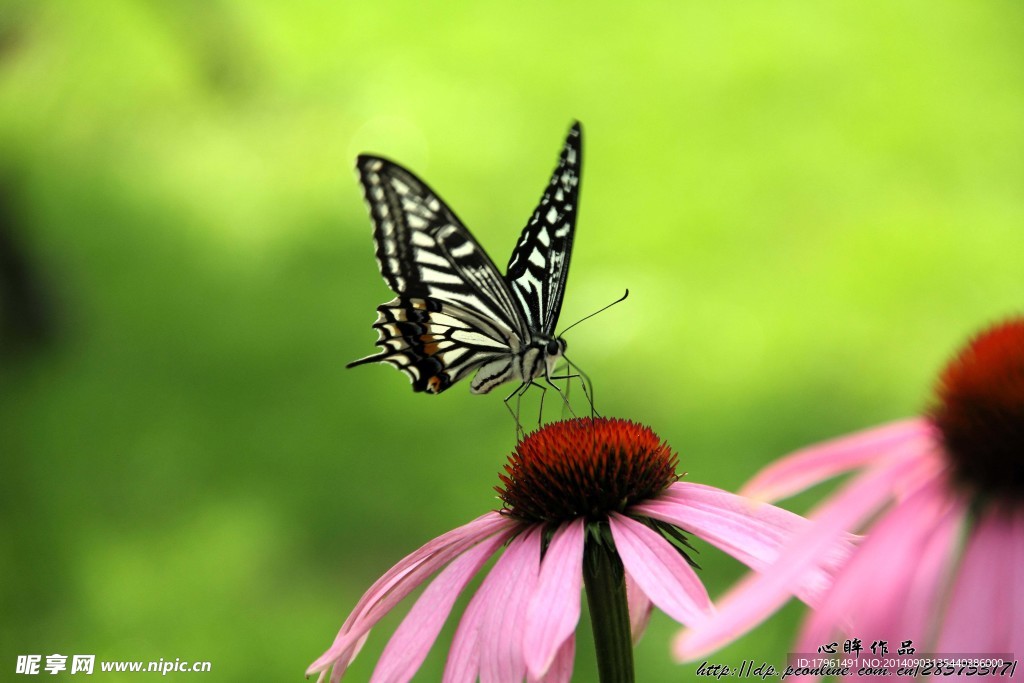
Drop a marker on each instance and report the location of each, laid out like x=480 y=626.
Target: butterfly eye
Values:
x=554 y=348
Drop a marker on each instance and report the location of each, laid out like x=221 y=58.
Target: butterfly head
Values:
x=555 y=347
x=553 y=350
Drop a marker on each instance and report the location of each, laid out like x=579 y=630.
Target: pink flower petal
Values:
x=753 y=532
x=879 y=596
x=640 y=609
x=554 y=609
x=1015 y=552
x=758 y=595
x=809 y=466
x=412 y=640
x=463 y=663
x=660 y=571
x=560 y=670
x=508 y=589
x=398 y=582
x=931 y=574
x=980 y=617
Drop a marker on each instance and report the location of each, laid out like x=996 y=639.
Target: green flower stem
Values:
x=605 y=580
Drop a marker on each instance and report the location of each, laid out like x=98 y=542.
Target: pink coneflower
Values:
x=943 y=562
x=592 y=502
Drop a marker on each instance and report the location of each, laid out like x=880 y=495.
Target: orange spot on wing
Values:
x=429 y=345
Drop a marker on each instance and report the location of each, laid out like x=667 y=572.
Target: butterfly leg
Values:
x=519 y=431
x=518 y=395
x=568 y=385
x=566 y=393
x=562 y=394
x=543 y=394
x=568 y=377
x=585 y=383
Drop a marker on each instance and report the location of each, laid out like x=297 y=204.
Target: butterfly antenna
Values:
x=600 y=310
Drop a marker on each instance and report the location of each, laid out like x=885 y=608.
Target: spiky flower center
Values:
x=980 y=412
x=585 y=467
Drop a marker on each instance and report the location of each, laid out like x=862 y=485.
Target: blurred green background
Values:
x=812 y=204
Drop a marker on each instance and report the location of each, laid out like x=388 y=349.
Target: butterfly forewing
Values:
x=423 y=250
x=539 y=265
x=455 y=313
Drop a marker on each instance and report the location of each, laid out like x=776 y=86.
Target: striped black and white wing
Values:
x=454 y=312
x=539 y=265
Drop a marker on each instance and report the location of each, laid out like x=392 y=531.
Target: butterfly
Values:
x=454 y=314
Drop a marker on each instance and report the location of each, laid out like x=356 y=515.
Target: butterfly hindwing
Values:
x=539 y=265
x=435 y=343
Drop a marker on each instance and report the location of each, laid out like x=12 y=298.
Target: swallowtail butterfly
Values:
x=454 y=313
